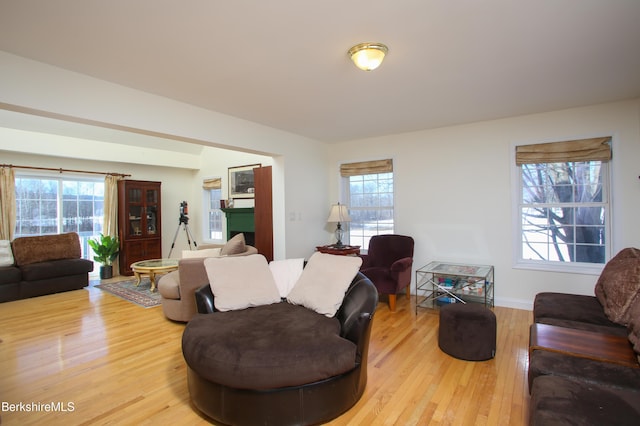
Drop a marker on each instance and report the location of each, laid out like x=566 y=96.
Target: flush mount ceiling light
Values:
x=368 y=56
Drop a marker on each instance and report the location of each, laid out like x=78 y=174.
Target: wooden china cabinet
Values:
x=139 y=225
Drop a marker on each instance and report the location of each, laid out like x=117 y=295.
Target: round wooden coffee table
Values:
x=153 y=267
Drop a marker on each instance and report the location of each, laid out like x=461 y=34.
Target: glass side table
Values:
x=439 y=283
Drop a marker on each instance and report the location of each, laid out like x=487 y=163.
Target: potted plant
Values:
x=106 y=249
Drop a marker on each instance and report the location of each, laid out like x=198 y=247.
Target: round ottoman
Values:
x=467 y=331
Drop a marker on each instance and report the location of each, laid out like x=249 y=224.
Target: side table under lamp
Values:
x=339 y=213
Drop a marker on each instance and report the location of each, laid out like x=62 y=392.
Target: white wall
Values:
x=215 y=164
x=37 y=88
x=174 y=180
x=453 y=185
x=453 y=189
x=178 y=183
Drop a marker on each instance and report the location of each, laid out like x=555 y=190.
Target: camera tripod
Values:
x=184 y=220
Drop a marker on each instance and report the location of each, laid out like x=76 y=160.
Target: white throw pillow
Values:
x=324 y=281
x=6 y=255
x=191 y=254
x=286 y=273
x=241 y=282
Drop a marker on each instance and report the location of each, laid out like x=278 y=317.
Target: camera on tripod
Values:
x=184 y=211
x=184 y=220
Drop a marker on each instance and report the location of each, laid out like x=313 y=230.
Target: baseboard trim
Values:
x=506 y=302
x=527 y=305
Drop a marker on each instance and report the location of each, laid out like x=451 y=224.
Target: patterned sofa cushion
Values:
x=619 y=285
x=28 y=250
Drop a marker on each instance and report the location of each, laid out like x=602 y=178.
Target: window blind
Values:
x=366 y=168
x=214 y=183
x=561 y=152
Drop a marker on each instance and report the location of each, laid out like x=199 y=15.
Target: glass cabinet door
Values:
x=135 y=211
x=142 y=212
x=135 y=195
x=135 y=219
x=151 y=211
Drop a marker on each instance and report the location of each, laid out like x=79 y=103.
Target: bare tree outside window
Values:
x=564 y=210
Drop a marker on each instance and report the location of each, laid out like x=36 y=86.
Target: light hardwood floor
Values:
x=116 y=363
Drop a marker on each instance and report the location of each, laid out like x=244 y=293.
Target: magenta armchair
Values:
x=388 y=265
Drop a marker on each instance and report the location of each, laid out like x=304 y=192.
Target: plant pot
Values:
x=106 y=272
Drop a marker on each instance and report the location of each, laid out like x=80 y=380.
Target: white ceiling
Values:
x=283 y=63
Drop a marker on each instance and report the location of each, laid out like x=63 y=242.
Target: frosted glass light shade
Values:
x=368 y=56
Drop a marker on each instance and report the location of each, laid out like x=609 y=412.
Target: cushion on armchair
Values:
x=280 y=345
x=286 y=274
x=201 y=253
x=241 y=282
x=324 y=282
x=634 y=327
x=618 y=286
x=574 y=311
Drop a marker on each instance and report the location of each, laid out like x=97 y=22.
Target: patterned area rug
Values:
x=127 y=290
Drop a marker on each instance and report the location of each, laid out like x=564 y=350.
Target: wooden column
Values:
x=263 y=215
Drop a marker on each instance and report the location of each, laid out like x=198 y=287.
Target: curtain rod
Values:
x=64 y=170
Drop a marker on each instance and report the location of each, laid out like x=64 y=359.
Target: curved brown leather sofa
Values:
x=308 y=403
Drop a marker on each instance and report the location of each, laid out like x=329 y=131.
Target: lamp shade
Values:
x=339 y=213
x=368 y=56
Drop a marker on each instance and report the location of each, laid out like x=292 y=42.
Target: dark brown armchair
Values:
x=388 y=265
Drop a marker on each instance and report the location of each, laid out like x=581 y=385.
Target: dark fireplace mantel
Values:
x=241 y=220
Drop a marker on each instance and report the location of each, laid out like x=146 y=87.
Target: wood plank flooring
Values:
x=109 y=362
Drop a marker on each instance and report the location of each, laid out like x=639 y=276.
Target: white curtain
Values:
x=7 y=203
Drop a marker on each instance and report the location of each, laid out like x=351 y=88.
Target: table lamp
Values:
x=338 y=214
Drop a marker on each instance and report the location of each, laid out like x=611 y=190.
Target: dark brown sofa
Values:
x=44 y=265
x=298 y=367
x=567 y=388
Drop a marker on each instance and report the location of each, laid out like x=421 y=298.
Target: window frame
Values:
x=60 y=201
x=555 y=266
x=347 y=201
x=207 y=210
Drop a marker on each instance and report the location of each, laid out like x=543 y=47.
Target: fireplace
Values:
x=240 y=220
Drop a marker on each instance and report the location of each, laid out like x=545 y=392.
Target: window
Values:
x=212 y=195
x=54 y=205
x=369 y=194
x=563 y=209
